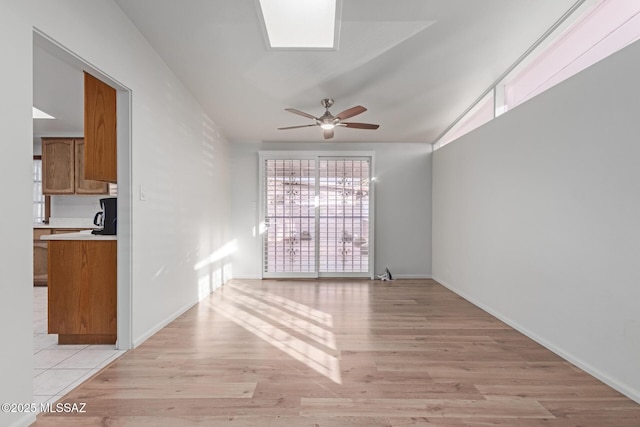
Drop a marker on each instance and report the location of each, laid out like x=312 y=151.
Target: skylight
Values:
x=300 y=24
x=39 y=114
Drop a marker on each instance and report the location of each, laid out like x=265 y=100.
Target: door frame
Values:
x=316 y=155
x=125 y=193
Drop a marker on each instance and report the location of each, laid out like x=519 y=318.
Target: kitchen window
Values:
x=41 y=203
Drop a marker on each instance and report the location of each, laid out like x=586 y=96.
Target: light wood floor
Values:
x=342 y=353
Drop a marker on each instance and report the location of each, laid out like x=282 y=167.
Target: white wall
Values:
x=16 y=262
x=402 y=204
x=536 y=219
x=178 y=157
x=84 y=207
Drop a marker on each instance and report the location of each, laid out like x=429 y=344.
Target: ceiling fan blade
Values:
x=296 y=127
x=353 y=111
x=360 y=125
x=300 y=113
x=328 y=133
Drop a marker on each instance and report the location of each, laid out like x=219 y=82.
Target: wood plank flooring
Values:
x=342 y=353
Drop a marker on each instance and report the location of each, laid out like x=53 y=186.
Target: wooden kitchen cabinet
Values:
x=100 y=153
x=40 y=255
x=63 y=168
x=82 y=291
x=82 y=185
x=41 y=252
x=58 y=166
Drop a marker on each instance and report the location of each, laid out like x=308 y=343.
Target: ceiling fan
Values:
x=328 y=121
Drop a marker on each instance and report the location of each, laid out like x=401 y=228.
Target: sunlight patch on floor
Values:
x=271 y=323
x=293 y=306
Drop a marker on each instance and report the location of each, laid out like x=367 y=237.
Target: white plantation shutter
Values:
x=344 y=216
x=290 y=216
x=316 y=216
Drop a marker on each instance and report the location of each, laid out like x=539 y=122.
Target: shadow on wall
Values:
x=215 y=269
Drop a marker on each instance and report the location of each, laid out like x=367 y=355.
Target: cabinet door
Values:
x=86 y=186
x=58 y=164
x=40 y=263
x=82 y=287
x=100 y=160
x=39 y=257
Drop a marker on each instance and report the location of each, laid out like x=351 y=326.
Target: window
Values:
x=316 y=215
x=480 y=114
x=343 y=220
x=289 y=216
x=605 y=28
x=599 y=28
x=39 y=199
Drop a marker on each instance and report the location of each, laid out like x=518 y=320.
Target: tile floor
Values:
x=58 y=369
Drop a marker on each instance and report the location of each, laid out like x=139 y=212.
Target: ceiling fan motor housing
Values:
x=327 y=103
x=327 y=119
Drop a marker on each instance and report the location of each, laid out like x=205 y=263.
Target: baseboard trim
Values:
x=395 y=276
x=24 y=421
x=158 y=326
x=411 y=276
x=153 y=330
x=629 y=392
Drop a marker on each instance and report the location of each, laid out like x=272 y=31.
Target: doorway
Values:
x=123 y=95
x=316 y=215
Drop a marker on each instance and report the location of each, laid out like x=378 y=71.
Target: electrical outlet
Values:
x=143 y=195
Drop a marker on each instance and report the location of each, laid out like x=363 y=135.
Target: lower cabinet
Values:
x=40 y=257
x=40 y=252
x=82 y=291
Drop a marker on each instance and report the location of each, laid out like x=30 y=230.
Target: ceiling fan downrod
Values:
x=327 y=103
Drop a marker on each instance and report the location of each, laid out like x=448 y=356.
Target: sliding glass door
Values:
x=343 y=217
x=289 y=217
x=316 y=215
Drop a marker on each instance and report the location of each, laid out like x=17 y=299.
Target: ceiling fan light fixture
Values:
x=327 y=126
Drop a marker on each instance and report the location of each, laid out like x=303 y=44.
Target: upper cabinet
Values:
x=58 y=166
x=62 y=168
x=82 y=185
x=100 y=155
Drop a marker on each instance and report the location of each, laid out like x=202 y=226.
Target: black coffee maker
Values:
x=107 y=217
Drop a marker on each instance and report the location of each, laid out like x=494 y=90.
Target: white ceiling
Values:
x=58 y=91
x=415 y=64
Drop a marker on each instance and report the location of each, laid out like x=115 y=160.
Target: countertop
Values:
x=61 y=227
x=82 y=235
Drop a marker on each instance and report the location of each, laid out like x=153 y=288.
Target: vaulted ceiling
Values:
x=415 y=64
